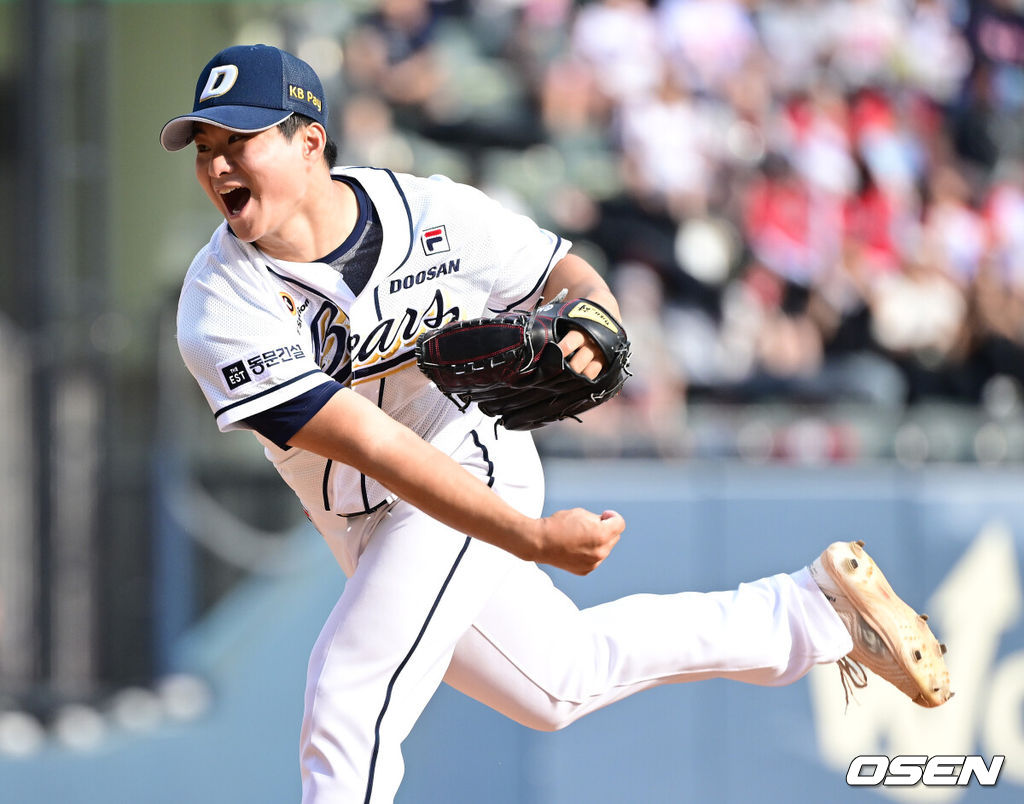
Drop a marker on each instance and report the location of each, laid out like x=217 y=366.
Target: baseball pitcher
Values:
x=391 y=341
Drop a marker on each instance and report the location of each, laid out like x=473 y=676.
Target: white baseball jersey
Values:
x=256 y=332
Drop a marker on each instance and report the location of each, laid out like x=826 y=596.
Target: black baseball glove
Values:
x=512 y=367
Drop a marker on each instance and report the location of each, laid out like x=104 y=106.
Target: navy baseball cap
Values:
x=249 y=88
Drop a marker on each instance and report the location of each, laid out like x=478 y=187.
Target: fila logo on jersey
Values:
x=434 y=240
x=220 y=81
x=418 y=278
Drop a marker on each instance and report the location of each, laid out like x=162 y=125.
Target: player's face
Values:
x=256 y=181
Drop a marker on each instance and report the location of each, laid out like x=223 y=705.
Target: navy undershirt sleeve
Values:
x=280 y=423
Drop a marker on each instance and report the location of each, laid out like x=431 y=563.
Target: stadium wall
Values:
x=950 y=539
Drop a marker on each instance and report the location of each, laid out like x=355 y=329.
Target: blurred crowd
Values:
x=818 y=200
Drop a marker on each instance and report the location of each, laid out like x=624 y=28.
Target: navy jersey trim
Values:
x=362 y=476
x=326 y=487
x=401 y=667
x=363 y=493
x=405 y=203
x=408 y=214
x=347 y=514
x=367 y=508
x=281 y=422
x=363 y=205
x=277 y=387
x=540 y=281
x=486 y=456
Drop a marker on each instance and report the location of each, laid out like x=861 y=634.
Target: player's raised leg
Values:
x=534 y=656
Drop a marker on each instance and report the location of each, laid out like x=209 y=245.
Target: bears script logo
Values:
x=337 y=348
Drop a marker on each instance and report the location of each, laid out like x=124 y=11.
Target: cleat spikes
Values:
x=889 y=637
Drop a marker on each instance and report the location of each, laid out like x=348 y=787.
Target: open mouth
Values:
x=236 y=199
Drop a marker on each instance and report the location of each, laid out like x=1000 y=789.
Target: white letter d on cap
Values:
x=220 y=81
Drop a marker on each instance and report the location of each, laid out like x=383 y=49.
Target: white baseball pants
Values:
x=425 y=604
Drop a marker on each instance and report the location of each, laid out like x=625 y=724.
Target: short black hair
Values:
x=294 y=122
x=288 y=127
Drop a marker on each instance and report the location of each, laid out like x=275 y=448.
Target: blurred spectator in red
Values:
x=780 y=222
x=873 y=232
x=895 y=144
x=817 y=141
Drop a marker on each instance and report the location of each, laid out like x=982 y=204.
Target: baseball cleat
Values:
x=889 y=637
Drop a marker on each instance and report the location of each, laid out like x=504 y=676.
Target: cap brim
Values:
x=177 y=133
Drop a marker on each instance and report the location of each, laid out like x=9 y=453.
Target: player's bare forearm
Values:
x=352 y=430
x=582 y=281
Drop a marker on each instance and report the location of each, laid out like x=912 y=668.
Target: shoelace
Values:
x=853 y=675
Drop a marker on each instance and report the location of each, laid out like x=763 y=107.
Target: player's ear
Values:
x=314 y=139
